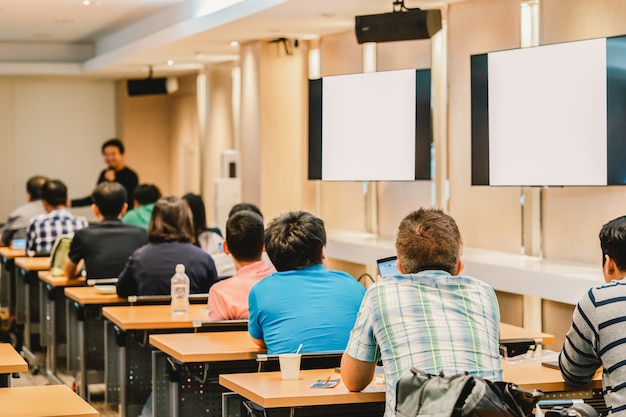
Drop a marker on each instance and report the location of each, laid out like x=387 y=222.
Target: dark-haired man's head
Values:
x=429 y=239
x=244 y=236
x=295 y=240
x=613 y=245
x=171 y=221
x=113 y=152
x=245 y=206
x=146 y=194
x=110 y=200
x=34 y=186
x=54 y=194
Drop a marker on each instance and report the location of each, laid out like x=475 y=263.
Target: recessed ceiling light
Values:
x=234 y=43
x=86 y=2
x=170 y=62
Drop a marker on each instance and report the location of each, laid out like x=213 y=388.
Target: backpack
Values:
x=461 y=395
x=58 y=254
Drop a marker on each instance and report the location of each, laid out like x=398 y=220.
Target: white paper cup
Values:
x=290 y=366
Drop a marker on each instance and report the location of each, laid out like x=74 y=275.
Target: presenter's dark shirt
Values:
x=126 y=176
x=150 y=268
x=106 y=246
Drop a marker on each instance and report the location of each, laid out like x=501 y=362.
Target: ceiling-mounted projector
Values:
x=398 y=26
x=148 y=86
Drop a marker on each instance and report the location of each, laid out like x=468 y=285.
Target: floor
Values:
x=30 y=379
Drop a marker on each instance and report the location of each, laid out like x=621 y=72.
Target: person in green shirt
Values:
x=144 y=197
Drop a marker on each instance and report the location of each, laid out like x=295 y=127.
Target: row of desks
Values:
x=188 y=368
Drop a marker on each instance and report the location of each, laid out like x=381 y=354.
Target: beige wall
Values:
x=488 y=217
x=144 y=127
x=572 y=217
x=53 y=126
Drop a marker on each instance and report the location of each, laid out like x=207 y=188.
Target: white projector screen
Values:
x=370 y=126
x=543 y=116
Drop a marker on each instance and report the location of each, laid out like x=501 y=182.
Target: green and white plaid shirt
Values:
x=432 y=321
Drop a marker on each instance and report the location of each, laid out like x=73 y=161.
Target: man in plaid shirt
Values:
x=44 y=229
x=428 y=316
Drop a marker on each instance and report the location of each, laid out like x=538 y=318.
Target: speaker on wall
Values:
x=398 y=26
x=151 y=86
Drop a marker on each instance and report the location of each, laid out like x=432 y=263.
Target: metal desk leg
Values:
x=27 y=348
x=164 y=391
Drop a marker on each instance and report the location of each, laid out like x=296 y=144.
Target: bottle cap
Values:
x=180 y=268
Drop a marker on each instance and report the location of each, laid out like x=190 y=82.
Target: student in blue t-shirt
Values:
x=303 y=303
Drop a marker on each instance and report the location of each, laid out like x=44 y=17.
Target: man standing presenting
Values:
x=596 y=337
x=113 y=152
x=429 y=317
x=106 y=246
x=15 y=227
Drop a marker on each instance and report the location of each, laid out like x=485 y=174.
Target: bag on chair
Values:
x=461 y=395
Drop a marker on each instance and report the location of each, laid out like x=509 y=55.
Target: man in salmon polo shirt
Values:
x=228 y=299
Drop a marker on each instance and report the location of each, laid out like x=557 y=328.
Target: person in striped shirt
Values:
x=597 y=336
x=428 y=317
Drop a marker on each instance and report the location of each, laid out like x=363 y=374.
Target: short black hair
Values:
x=113 y=142
x=244 y=235
x=110 y=198
x=613 y=242
x=54 y=192
x=34 y=186
x=294 y=240
x=245 y=206
x=146 y=194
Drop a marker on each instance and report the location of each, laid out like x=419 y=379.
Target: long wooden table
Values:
x=7 y=276
x=127 y=329
x=10 y=362
x=47 y=400
x=270 y=391
x=85 y=336
x=52 y=316
x=197 y=359
x=27 y=303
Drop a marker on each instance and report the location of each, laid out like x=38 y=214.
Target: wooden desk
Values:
x=7 y=276
x=197 y=360
x=270 y=391
x=126 y=330
x=509 y=331
x=10 y=362
x=47 y=400
x=27 y=299
x=85 y=330
x=155 y=317
x=52 y=316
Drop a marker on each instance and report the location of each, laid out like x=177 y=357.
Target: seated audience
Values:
x=228 y=299
x=224 y=262
x=596 y=337
x=150 y=268
x=430 y=317
x=44 y=229
x=15 y=227
x=106 y=246
x=208 y=239
x=144 y=197
x=303 y=303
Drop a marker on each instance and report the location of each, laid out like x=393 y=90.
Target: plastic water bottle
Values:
x=180 y=291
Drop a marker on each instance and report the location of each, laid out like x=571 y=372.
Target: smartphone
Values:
x=387 y=267
x=551 y=364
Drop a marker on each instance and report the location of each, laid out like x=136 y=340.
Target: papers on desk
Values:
x=105 y=289
x=326 y=383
